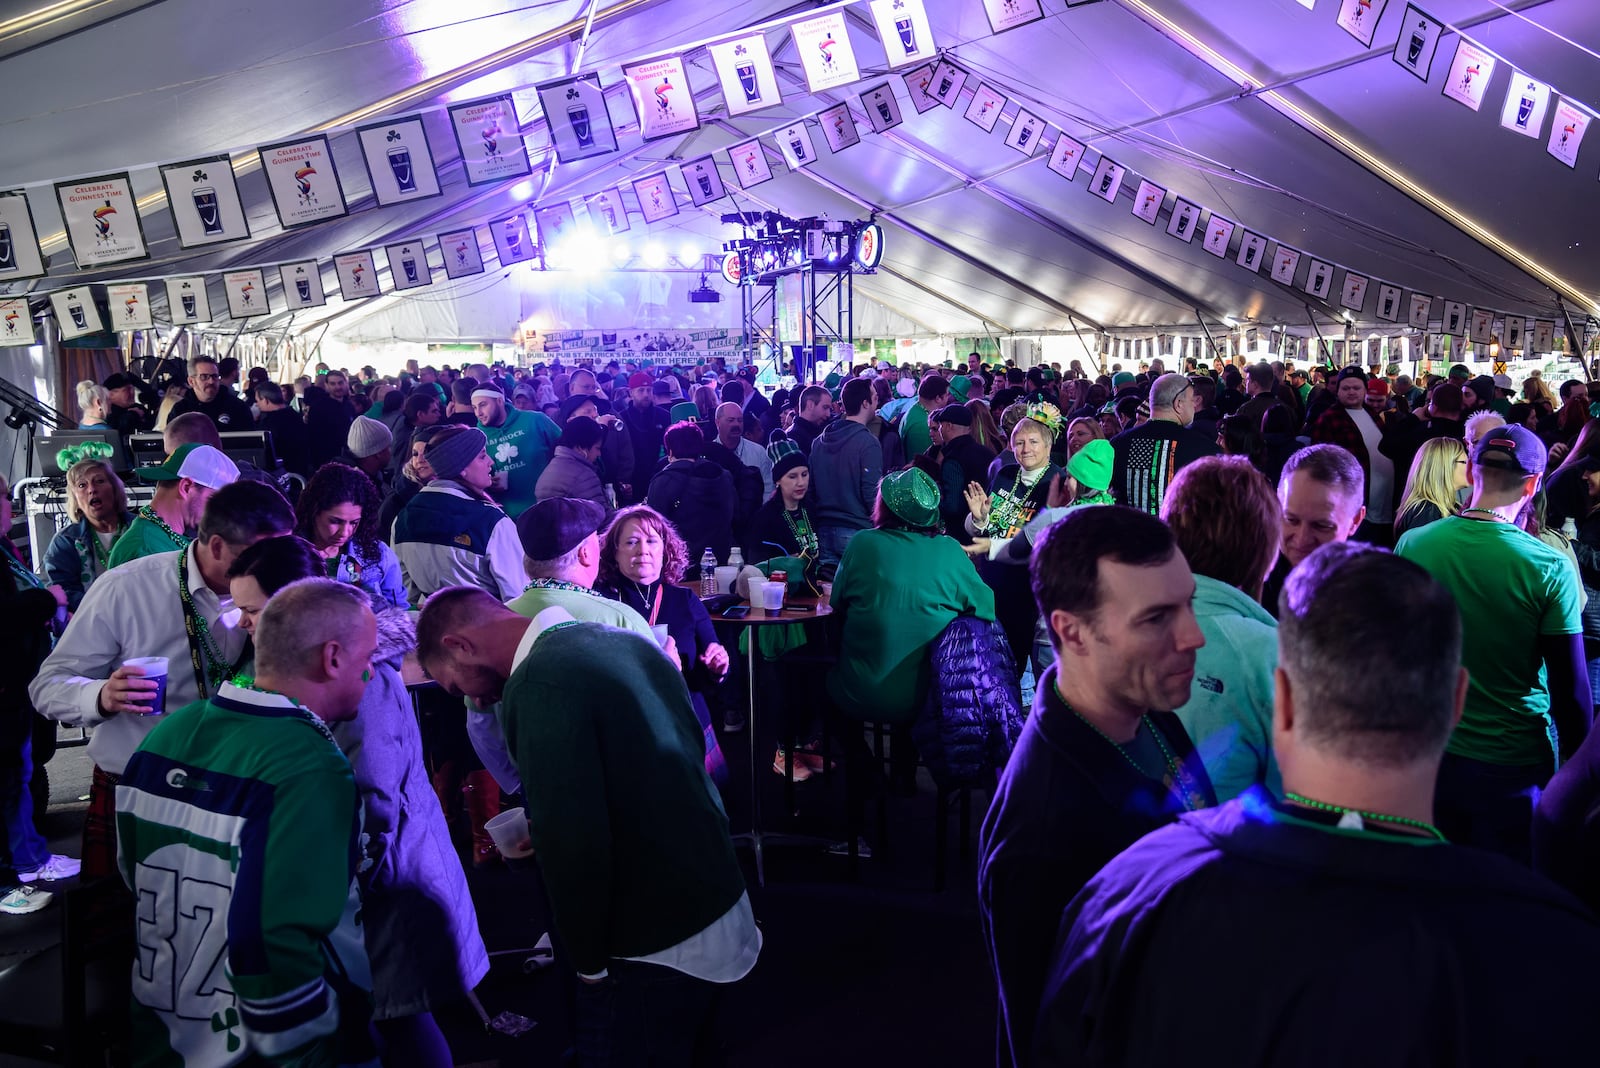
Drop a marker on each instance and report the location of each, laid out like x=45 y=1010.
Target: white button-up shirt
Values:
x=130 y=611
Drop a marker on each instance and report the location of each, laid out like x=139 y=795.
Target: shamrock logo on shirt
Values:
x=505 y=452
x=226 y=1022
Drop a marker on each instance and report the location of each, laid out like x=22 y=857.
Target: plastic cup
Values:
x=827 y=593
x=510 y=833
x=660 y=631
x=154 y=668
x=725 y=576
x=772 y=596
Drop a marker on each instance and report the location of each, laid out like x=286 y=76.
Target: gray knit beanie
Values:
x=453 y=448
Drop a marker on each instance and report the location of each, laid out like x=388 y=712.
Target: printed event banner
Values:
x=204 y=200
x=794 y=141
x=490 y=140
x=705 y=184
x=838 y=128
x=985 y=107
x=1420 y=311
x=1319 y=279
x=461 y=254
x=1353 y=294
x=750 y=164
x=1359 y=18
x=1147 y=201
x=904 y=30
x=304 y=183
x=1526 y=102
x=129 y=306
x=656 y=201
x=247 y=293
x=1285 y=262
x=408 y=265
x=1107 y=180
x=555 y=223
x=19 y=240
x=607 y=209
x=399 y=161
x=1184 y=220
x=187 y=302
x=1388 y=308
x=1566 y=133
x=1009 y=14
x=302 y=285
x=1469 y=75
x=512 y=244
x=1219 y=233
x=1252 y=251
x=1419 y=41
x=358 y=275
x=76 y=314
x=1480 y=326
x=1515 y=326
x=919 y=83
x=661 y=97
x=947 y=82
x=1455 y=319
x=102 y=222
x=16 y=324
x=1544 y=336
x=825 y=52
x=883 y=110
x=576 y=116
x=744 y=67
x=1025 y=133
x=1065 y=156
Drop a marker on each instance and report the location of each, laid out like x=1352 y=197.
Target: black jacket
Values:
x=974 y=714
x=698 y=497
x=290 y=440
x=1148 y=456
x=25 y=616
x=646 y=428
x=961 y=460
x=226 y=410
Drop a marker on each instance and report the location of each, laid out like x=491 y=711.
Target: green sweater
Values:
x=142 y=538
x=631 y=836
x=897 y=591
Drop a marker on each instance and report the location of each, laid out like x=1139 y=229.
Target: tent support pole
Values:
x=1573 y=339
x=1216 y=351
x=1094 y=359
x=1322 y=345
x=235 y=341
x=317 y=348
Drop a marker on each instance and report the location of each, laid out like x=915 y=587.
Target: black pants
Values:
x=648 y=1016
x=1489 y=806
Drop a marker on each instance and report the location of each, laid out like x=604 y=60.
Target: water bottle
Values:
x=708 y=576
x=736 y=557
x=1569 y=529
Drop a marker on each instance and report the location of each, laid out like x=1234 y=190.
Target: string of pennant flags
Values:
x=103 y=226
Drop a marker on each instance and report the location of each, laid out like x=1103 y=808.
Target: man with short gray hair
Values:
x=1148 y=456
x=206 y=395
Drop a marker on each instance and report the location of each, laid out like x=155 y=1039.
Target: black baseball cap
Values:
x=1511 y=448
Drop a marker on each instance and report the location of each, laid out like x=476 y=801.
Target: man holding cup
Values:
x=169 y=606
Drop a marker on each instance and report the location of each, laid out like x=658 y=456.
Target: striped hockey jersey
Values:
x=237 y=824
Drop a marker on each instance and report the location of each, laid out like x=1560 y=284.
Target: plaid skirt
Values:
x=100 y=827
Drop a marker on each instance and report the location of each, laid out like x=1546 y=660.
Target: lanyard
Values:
x=199 y=634
x=655 y=609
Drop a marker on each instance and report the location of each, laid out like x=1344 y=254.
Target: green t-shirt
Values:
x=914 y=433
x=521 y=447
x=142 y=538
x=1512 y=589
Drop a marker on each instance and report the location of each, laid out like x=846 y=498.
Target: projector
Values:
x=705 y=295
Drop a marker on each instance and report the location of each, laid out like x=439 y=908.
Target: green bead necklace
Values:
x=1378 y=817
x=1192 y=800
x=179 y=540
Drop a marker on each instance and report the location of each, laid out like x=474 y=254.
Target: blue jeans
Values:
x=27 y=847
x=1489 y=806
x=832 y=542
x=647 y=1016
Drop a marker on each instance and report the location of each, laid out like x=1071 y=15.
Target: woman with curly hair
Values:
x=338 y=514
x=642 y=560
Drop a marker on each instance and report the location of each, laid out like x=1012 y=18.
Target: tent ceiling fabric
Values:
x=979 y=240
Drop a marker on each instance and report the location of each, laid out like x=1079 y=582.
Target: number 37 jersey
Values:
x=236 y=830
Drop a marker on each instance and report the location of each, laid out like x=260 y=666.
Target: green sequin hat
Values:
x=1046 y=415
x=911 y=495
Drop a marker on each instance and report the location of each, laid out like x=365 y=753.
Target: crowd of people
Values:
x=1283 y=628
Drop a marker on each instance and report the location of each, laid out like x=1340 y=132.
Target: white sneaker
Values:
x=25 y=899
x=55 y=867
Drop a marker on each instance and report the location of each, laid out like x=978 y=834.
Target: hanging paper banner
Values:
x=512 y=244
x=489 y=138
x=947 y=82
x=204 y=200
x=398 y=159
x=16 y=323
x=1009 y=14
x=1455 y=318
x=1388 y=308
x=607 y=209
x=904 y=30
x=408 y=266
x=1025 y=130
x=358 y=275
x=1107 y=180
x=1566 y=133
x=1219 y=232
x=302 y=285
x=76 y=314
x=1147 y=201
x=576 y=116
x=661 y=97
x=656 y=201
x=1319 y=279
x=1544 y=336
x=1353 y=294
x=1252 y=251
x=1184 y=220
x=1065 y=157
x=838 y=128
x=919 y=84
x=556 y=224
x=985 y=108
x=794 y=141
x=187 y=302
x=1419 y=40
x=462 y=256
x=304 y=183
x=1481 y=326
x=825 y=52
x=1420 y=312
x=703 y=180
x=744 y=67
x=1469 y=75
x=883 y=110
x=129 y=306
x=1359 y=18
x=1285 y=262
x=1515 y=326
x=1526 y=102
x=247 y=293
x=750 y=165
x=19 y=241
x=102 y=222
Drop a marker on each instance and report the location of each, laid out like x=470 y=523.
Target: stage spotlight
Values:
x=654 y=255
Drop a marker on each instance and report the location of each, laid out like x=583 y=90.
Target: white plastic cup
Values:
x=827 y=593
x=725 y=576
x=660 y=631
x=772 y=595
x=155 y=669
x=510 y=833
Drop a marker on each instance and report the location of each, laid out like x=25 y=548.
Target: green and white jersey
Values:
x=237 y=824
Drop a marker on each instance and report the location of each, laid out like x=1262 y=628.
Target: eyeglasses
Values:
x=209 y=378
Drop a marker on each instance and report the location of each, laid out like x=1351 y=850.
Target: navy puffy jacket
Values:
x=974 y=713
